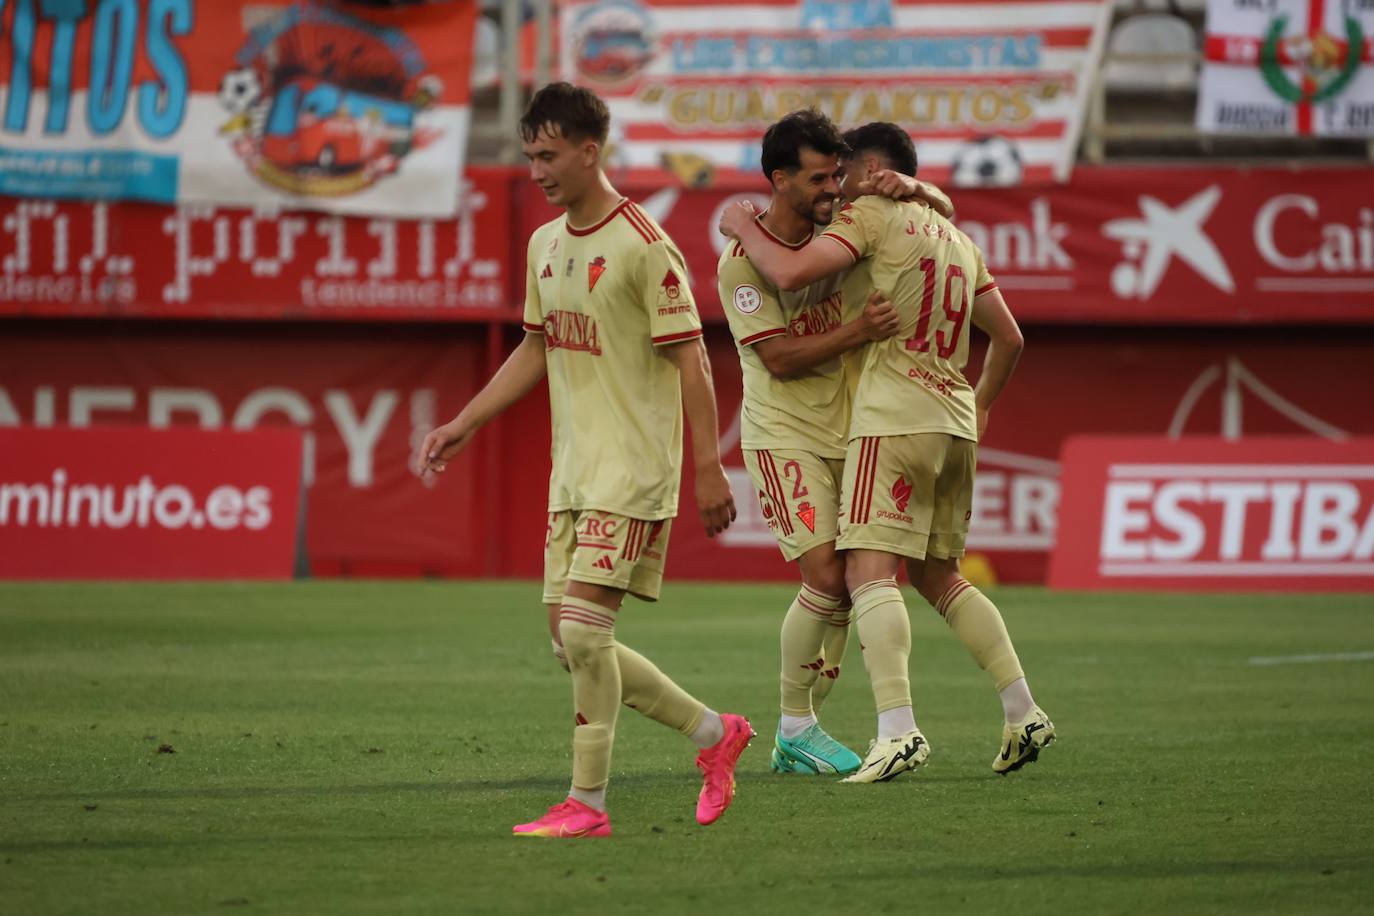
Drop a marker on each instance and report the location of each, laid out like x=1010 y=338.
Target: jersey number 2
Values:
x=956 y=310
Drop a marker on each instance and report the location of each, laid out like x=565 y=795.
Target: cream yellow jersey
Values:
x=811 y=411
x=605 y=298
x=932 y=272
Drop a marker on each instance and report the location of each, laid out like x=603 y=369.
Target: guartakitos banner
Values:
x=262 y=103
x=1297 y=67
x=993 y=93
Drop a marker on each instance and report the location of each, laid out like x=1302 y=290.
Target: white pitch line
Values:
x=1312 y=659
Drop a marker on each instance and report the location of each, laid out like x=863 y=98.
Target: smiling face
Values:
x=812 y=189
x=564 y=169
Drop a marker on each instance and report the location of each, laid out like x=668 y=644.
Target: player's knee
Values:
x=583 y=643
x=828 y=581
x=936 y=580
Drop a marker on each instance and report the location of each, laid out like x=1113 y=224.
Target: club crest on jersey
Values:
x=595 y=269
x=807 y=513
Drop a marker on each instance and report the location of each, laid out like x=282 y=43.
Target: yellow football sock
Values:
x=646 y=689
x=885 y=638
x=978 y=624
x=803 y=641
x=836 y=639
x=588 y=634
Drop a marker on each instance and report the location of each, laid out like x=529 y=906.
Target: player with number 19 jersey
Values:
x=914 y=382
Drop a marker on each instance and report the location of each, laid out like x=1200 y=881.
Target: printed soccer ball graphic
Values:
x=990 y=162
x=239 y=90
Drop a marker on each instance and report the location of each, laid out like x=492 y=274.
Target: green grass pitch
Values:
x=342 y=747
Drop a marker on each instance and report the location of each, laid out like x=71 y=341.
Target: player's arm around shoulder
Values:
x=715 y=502
x=788 y=357
x=786 y=268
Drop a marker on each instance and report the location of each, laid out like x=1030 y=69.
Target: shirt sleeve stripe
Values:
x=648 y=223
x=533 y=328
x=854 y=252
x=637 y=219
x=674 y=338
x=762 y=335
x=986 y=289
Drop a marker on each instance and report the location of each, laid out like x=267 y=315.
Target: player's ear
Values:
x=778 y=179
x=591 y=153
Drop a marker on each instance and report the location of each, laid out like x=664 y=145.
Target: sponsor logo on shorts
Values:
x=604 y=562
x=901 y=493
x=770 y=515
x=654 y=531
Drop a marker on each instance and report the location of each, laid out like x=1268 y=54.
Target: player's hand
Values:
x=981 y=414
x=440 y=447
x=735 y=217
x=879 y=320
x=715 y=502
x=890 y=184
x=895 y=185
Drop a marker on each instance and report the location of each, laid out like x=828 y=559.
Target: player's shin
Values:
x=588 y=634
x=836 y=640
x=646 y=689
x=885 y=637
x=802 y=642
x=979 y=626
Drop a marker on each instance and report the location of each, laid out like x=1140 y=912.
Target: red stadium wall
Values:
x=366 y=394
x=1155 y=301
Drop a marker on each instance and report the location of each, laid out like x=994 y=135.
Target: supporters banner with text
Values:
x=1302 y=67
x=993 y=92
x=1261 y=514
x=136 y=503
x=265 y=103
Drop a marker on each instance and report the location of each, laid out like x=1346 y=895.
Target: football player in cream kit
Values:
x=795 y=414
x=610 y=321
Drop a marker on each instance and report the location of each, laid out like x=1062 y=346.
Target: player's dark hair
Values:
x=886 y=140
x=575 y=113
x=783 y=142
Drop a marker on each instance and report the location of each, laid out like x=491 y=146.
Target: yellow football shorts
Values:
x=602 y=548
x=799 y=495
x=908 y=495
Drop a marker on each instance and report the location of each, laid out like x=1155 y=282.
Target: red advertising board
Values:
x=1117 y=245
x=1208 y=513
x=1122 y=245
x=115 y=260
x=365 y=396
x=136 y=503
